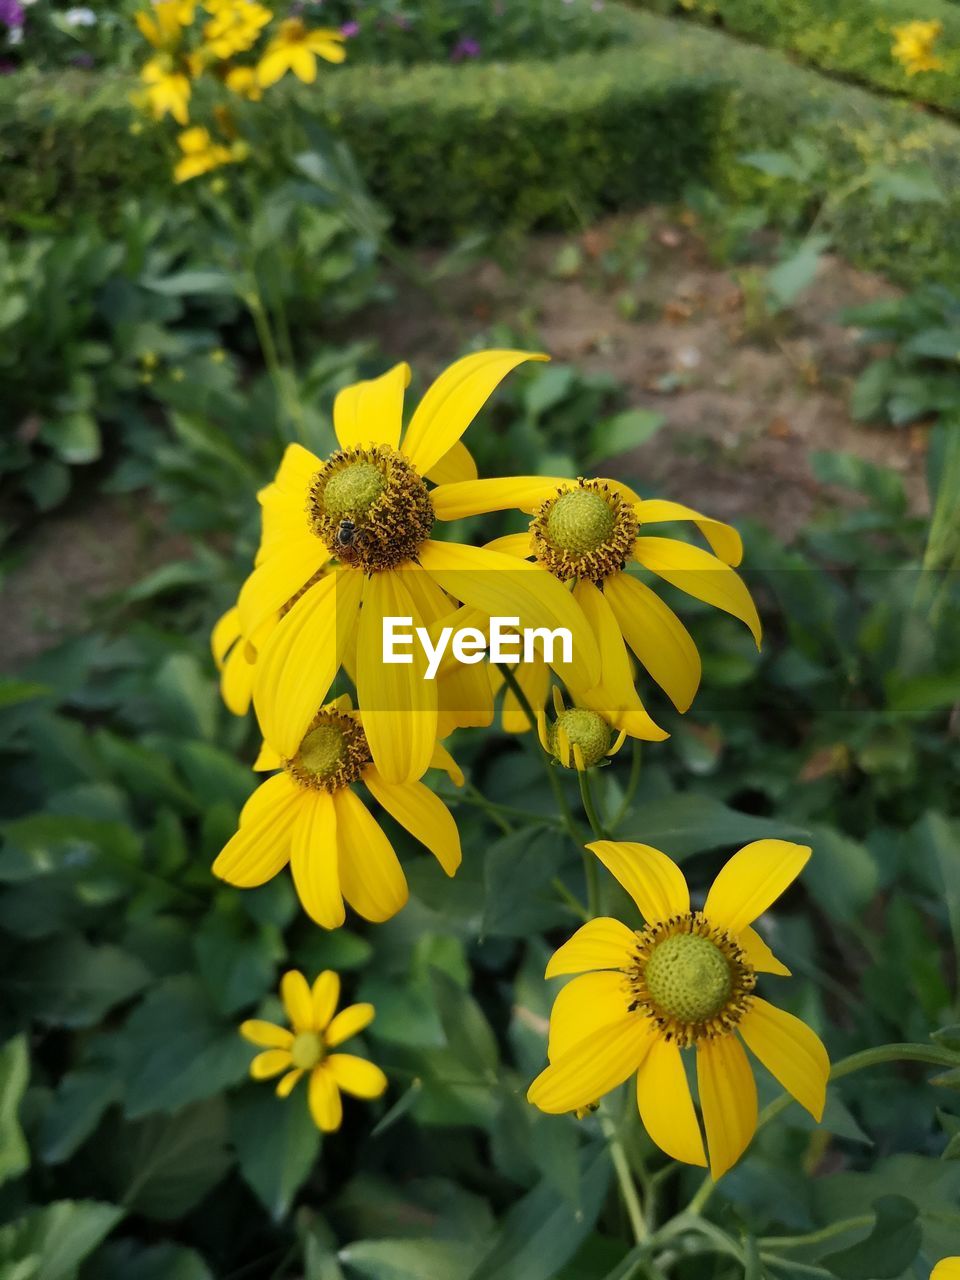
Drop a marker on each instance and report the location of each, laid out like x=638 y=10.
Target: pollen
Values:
x=334 y=752
x=586 y=531
x=579 y=727
x=306 y=1050
x=370 y=507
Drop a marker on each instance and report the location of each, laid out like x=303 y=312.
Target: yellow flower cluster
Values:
x=913 y=45
x=355 y=538
x=221 y=47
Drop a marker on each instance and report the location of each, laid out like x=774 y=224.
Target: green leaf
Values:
x=622 y=432
x=467 y=1031
x=788 y=279
x=124 y=1259
x=236 y=961
x=777 y=164
x=182 y=283
x=548 y=385
x=423 y=1259
x=276 y=1144
x=59 y=1236
x=73 y=984
x=684 y=824
x=891 y=1246
x=74 y=438
x=14 y=1074
x=518 y=895
x=81 y=1098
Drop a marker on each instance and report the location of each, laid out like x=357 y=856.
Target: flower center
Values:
x=586 y=531
x=370 y=507
x=306 y=1050
x=292 y=30
x=691 y=978
x=584 y=729
x=333 y=753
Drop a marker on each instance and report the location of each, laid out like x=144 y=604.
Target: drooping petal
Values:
x=303 y=63
x=267 y=759
x=442 y=759
x=758 y=954
x=603 y=943
x=453 y=401
x=753 y=879
x=299 y=661
x=792 y=1053
x=314 y=861
x=348 y=1023
x=270 y=1063
x=266 y=1034
x=371 y=877
x=324 y=1099
x=421 y=813
x=665 y=1105
x=295 y=994
x=728 y=1097
x=399 y=703
x=325 y=994
x=371 y=412
x=479 y=497
x=583 y=1007
x=286 y=1084
x=593 y=1066
x=261 y=846
x=226 y=631
x=723 y=538
x=357 y=1076
x=276 y=580
x=512 y=544
x=273 y=793
x=455 y=467
x=653 y=881
x=236 y=681
x=701 y=575
x=656 y=635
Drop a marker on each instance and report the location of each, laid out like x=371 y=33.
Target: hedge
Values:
x=852 y=38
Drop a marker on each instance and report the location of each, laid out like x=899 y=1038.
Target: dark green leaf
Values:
x=888 y=1250
x=276 y=1144
x=14 y=1074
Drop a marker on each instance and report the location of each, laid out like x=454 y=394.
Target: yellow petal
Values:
x=656 y=635
x=324 y=1099
x=372 y=412
x=226 y=632
x=593 y=1066
x=728 y=1097
x=456 y=466
x=603 y=943
x=421 y=813
x=665 y=1105
x=277 y=580
x=325 y=994
x=723 y=538
x=299 y=661
x=653 y=880
x=349 y=1022
x=357 y=1076
x=442 y=759
x=314 y=861
x=286 y=1084
x=615 y=696
x=261 y=846
x=236 y=681
x=453 y=401
x=371 y=878
x=296 y=473
x=502 y=586
x=512 y=544
x=948 y=1269
x=758 y=954
x=701 y=575
x=273 y=793
x=303 y=63
x=752 y=879
x=273 y=66
x=295 y=994
x=399 y=703
x=478 y=497
x=583 y=1007
x=269 y=1063
x=266 y=1034
x=792 y=1053
x=267 y=759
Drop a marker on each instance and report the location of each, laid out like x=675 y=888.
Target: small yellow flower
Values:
x=200 y=154
x=163 y=24
x=167 y=88
x=235 y=28
x=316 y=1030
x=243 y=82
x=913 y=45
x=578 y=738
x=948 y=1269
x=296 y=48
x=686 y=980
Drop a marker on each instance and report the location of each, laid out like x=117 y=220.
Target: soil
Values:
x=747 y=397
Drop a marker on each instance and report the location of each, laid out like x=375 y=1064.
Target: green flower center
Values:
x=334 y=752
x=689 y=978
x=322 y=750
x=584 y=729
x=579 y=522
x=306 y=1050
x=353 y=491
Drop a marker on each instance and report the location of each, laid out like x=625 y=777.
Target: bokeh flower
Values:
x=306 y=1046
x=686 y=980
x=235 y=27
x=296 y=48
x=913 y=45
x=167 y=88
x=201 y=154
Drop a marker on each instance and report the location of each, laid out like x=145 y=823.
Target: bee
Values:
x=346 y=533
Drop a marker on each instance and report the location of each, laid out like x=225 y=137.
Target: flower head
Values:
x=315 y=1029
x=243 y=82
x=167 y=89
x=201 y=154
x=686 y=980
x=12 y=14
x=579 y=738
x=913 y=44
x=235 y=28
x=164 y=22
x=296 y=48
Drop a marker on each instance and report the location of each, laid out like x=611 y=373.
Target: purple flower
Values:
x=11 y=14
x=465 y=48
x=85 y=61
x=350 y=29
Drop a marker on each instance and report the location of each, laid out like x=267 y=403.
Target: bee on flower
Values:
x=309 y=1046
x=913 y=45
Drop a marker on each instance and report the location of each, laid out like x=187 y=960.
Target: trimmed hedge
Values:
x=852 y=38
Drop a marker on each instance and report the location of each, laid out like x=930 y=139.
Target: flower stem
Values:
x=598 y=829
x=628 y=1190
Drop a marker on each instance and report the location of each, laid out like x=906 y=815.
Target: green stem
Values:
x=628 y=1190
x=598 y=829
x=489 y=807
x=817 y=1237
x=632 y=783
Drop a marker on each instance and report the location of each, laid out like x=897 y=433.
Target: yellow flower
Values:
x=316 y=1029
x=167 y=88
x=296 y=48
x=948 y=1269
x=309 y=815
x=243 y=82
x=586 y=531
x=913 y=44
x=162 y=25
x=578 y=738
x=368 y=508
x=235 y=28
x=200 y=154
x=234 y=662
x=686 y=980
